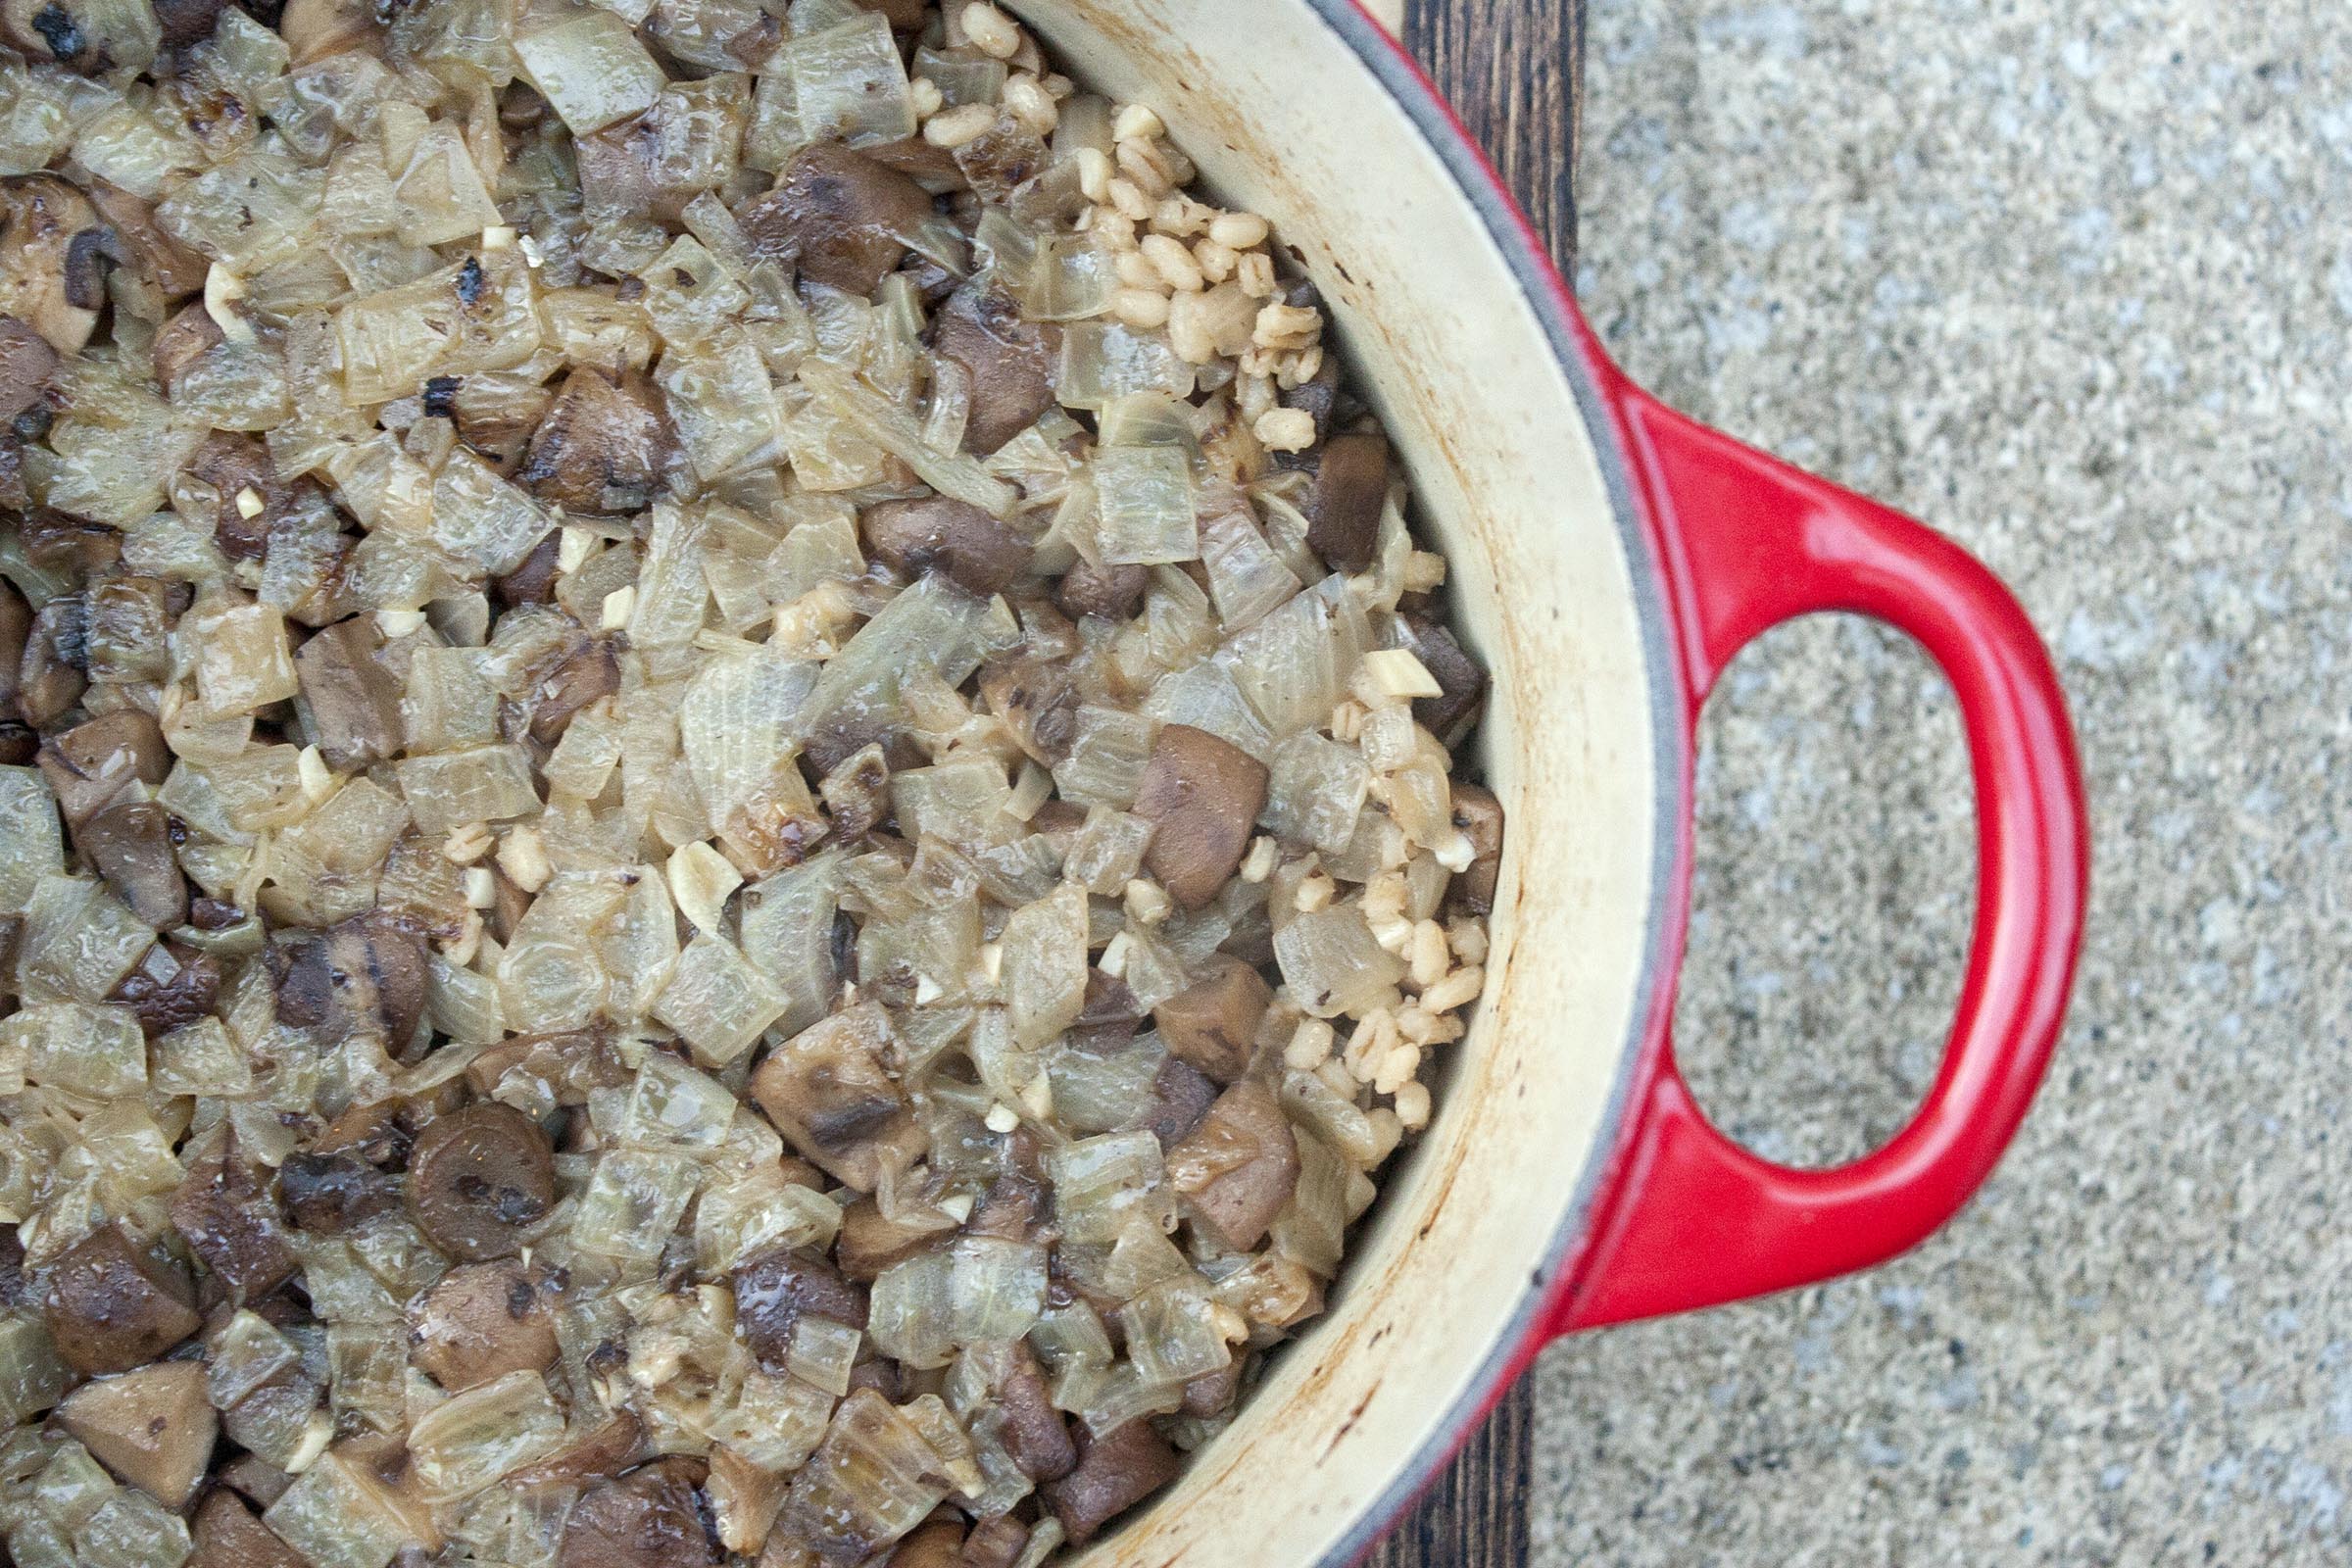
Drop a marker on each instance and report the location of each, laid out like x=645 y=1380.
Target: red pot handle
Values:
x=1748 y=542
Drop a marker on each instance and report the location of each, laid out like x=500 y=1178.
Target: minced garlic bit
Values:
x=250 y=503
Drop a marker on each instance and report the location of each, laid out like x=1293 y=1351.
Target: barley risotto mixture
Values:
x=726 y=829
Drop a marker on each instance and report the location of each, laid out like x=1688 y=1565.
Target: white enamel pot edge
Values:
x=1607 y=559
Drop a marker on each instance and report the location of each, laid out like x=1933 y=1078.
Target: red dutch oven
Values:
x=1609 y=557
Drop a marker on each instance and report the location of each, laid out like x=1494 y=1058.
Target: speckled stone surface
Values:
x=2073 y=280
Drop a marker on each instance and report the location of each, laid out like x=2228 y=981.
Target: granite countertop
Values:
x=2072 y=281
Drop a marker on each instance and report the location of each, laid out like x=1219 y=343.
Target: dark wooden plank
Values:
x=1514 y=70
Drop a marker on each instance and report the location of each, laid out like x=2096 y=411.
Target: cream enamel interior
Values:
x=1285 y=119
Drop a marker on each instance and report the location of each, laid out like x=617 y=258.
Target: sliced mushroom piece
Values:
x=188 y=336
x=1462 y=684
x=1011 y=363
x=92 y=765
x=1240 y=1166
x=129 y=843
x=152 y=1427
x=939 y=532
x=49 y=272
x=776 y=1288
x=28 y=364
x=588 y=673
x=479 y=1179
x=1479 y=816
x=255 y=1479
x=997 y=1542
x=1343 y=504
x=841 y=217
x=1108 y=591
x=830 y=1093
x=1213 y=1023
x=1205 y=793
x=354 y=701
x=482 y=1321
x=1033 y=1432
x=228 y=1536
x=16 y=629
x=1038 y=701
x=55 y=670
x=1114 y=1472
x=649 y=1518
x=172 y=986
x=330 y=1194
x=1318 y=395
x=603 y=447
x=572 y=1062
x=112 y=1305
x=1181 y=1096
x=223 y=1211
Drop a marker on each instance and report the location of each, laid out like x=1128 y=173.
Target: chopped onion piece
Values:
x=483 y=1435
x=848 y=82
x=590 y=66
x=716 y=1001
x=951 y=474
x=1143 y=496
x=1331 y=963
x=1046 y=964
x=977 y=1288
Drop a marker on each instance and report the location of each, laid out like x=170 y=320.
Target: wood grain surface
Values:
x=1514 y=70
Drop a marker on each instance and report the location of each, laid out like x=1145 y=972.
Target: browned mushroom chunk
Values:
x=602 y=448
x=1011 y=363
x=1478 y=815
x=230 y=465
x=939 y=532
x=354 y=701
x=1033 y=1430
x=95 y=762
x=936 y=1544
x=906 y=16
x=649 y=1518
x=187 y=21
x=1181 y=1096
x=828 y=1092
x=587 y=674
x=50 y=235
x=152 y=1427
x=482 y=1321
x=839 y=215
x=1090 y=590
x=480 y=1178
x=129 y=843
x=15 y=627
x=228 y=1536
x=1114 y=1472
x=367 y=973
x=27 y=363
x=1319 y=394
x=1213 y=1392
x=1462 y=683
x=1343 y=505
x=1206 y=794
x=871 y=1241
x=55 y=671
x=607 y=1448
x=112 y=1305
x=535 y=581
x=329 y=1194
x=1038 y=701
x=996 y=1542
x=175 y=270
x=223 y=1211
x=172 y=986
x=1240 y=1166
x=776 y=1288
x=1213 y=1023
x=189 y=335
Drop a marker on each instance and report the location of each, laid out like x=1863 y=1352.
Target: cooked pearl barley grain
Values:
x=732 y=828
